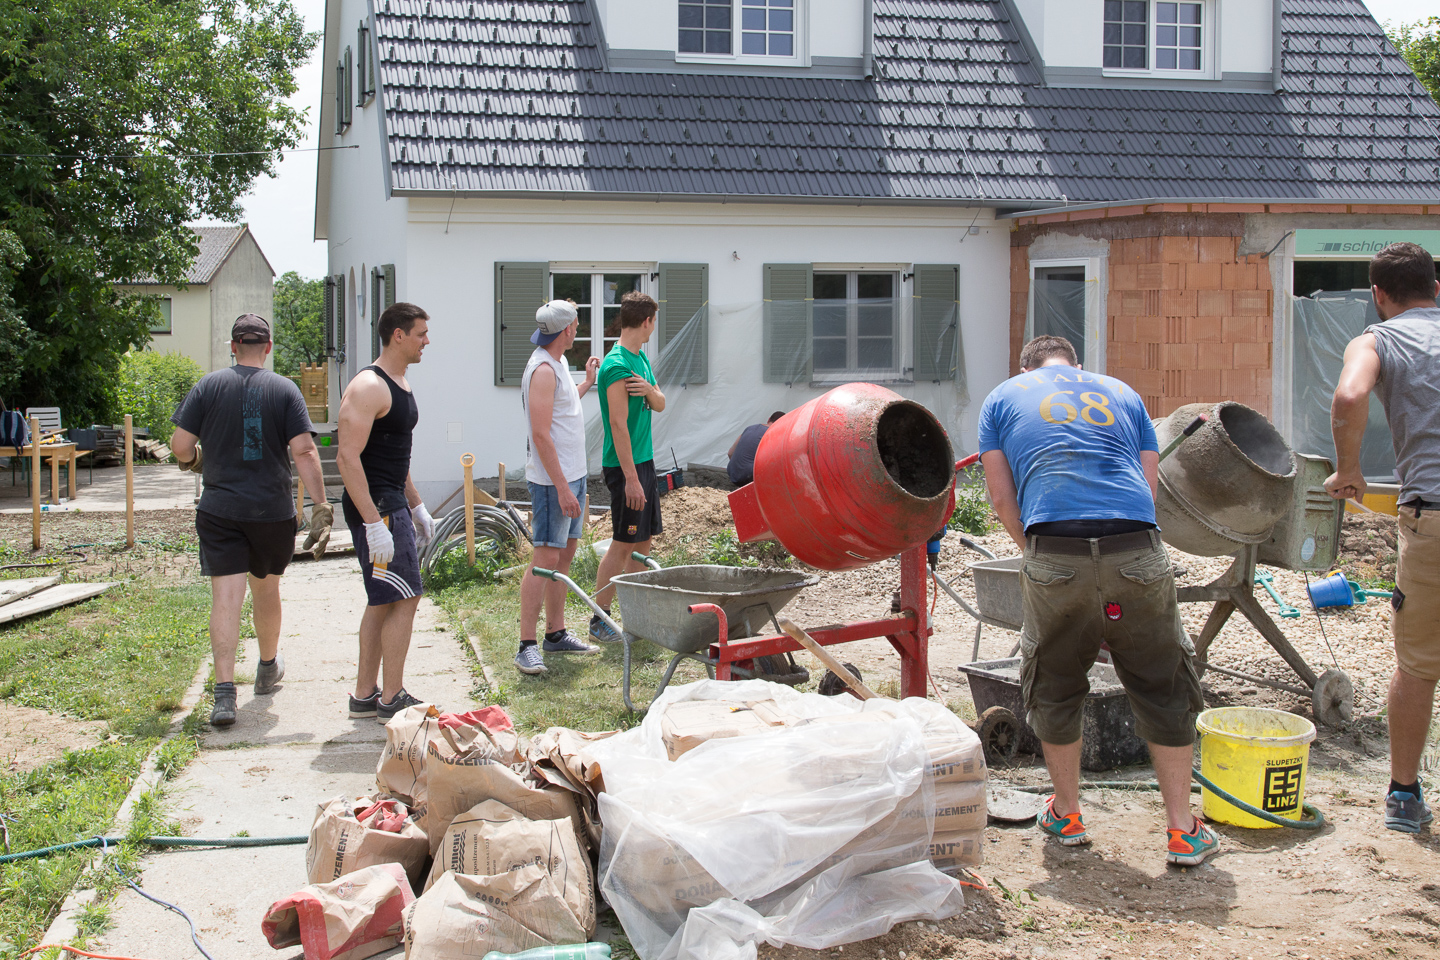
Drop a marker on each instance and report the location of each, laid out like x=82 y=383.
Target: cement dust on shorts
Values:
x=31 y=738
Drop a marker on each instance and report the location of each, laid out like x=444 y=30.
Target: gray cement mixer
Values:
x=1235 y=487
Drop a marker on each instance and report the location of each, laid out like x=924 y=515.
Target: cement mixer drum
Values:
x=1227 y=485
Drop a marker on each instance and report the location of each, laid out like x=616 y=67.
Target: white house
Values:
x=824 y=190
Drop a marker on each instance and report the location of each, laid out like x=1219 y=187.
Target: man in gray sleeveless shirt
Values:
x=1399 y=360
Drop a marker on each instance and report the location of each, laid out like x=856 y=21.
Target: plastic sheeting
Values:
x=825 y=844
x=1324 y=325
x=694 y=428
x=1059 y=307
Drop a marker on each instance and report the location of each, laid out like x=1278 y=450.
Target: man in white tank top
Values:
x=556 y=470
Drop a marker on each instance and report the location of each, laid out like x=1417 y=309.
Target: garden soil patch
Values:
x=30 y=738
x=93 y=545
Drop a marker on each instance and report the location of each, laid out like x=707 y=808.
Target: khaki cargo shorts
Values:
x=1117 y=590
x=1415 y=623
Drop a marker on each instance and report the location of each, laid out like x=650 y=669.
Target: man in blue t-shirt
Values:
x=1071 y=462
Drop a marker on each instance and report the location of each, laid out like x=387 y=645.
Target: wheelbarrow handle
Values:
x=1181 y=437
x=974 y=458
x=542 y=572
x=574 y=588
x=719 y=615
x=639 y=557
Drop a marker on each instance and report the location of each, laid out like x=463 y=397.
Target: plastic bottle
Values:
x=573 y=951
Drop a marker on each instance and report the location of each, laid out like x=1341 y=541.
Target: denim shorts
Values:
x=550 y=527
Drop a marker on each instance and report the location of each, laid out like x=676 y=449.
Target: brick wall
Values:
x=1189 y=321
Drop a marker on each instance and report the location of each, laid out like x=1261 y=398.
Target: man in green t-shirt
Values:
x=628 y=396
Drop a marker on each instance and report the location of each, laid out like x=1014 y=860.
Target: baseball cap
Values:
x=251 y=328
x=551 y=321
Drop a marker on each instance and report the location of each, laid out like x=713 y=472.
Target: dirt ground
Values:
x=91 y=546
x=30 y=738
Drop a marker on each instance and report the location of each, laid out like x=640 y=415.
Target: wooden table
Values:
x=56 y=453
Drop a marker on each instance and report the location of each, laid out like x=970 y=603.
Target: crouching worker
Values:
x=556 y=470
x=1071 y=462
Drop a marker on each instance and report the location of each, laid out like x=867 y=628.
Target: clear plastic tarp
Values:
x=1059 y=306
x=801 y=349
x=825 y=844
x=1324 y=324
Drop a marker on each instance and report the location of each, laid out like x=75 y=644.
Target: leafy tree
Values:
x=299 y=323
x=1419 y=44
x=151 y=386
x=130 y=118
x=15 y=336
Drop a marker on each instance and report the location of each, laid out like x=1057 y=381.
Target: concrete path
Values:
x=286 y=753
x=158 y=486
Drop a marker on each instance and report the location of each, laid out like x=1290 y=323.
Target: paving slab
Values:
x=158 y=486
x=286 y=753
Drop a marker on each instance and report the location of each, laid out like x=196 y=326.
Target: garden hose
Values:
x=1315 y=822
x=495 y=529
x=155 y=842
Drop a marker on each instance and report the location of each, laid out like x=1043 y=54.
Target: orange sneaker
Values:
x=1069 y=829
x=1191 y=849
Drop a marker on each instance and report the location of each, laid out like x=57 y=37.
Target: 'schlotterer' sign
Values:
x=1360 y=243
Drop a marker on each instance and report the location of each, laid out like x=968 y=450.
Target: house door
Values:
x=1058 y=307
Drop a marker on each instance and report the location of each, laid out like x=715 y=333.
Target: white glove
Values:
x=424 y=526
x=380 y=541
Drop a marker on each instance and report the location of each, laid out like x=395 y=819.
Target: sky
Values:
x=281 y=209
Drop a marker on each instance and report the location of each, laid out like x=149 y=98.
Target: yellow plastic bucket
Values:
x=1258 y=756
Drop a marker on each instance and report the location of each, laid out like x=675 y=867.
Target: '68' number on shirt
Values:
x=1095 y=409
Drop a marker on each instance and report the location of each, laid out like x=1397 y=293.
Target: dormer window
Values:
x=741 y=31
x=1157 y=37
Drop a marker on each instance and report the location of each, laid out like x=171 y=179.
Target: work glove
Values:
x=424 y=526
x=380 y=541
x=322 y=518
x=193 y=465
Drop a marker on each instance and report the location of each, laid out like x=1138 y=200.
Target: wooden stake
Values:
x=129 y=482
x=823 y=655
x=468 y=462
x=35 y=483
x=502 y=481
x=299 y=495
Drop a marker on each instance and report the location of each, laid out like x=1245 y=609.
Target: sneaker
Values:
x=266 y=678
x=567 y=643
x=223 y=713
x=529 y=661
x=364 y=708
x=1406 y=812
x=1191 y=849
x=1069 y=829
x=602 y=632
x=384 y=712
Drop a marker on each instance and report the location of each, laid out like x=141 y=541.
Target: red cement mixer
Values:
x=853 y=477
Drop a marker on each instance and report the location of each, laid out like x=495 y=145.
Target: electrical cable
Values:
x=1316 y=821
x=170 y=156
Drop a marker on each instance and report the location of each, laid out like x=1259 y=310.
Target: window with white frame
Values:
x=1157 y=36
x=768 y=30
x=597 y=301
x=856 y=323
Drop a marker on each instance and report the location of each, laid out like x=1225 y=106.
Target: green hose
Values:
x=1316 y=821
x=155 y=842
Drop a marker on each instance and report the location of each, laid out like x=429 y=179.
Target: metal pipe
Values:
x=1273 y=684
x=867 y=67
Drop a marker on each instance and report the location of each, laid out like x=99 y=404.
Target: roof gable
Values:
x=513 y=98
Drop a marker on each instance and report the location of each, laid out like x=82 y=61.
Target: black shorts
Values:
x=633 y=526
x=261 y=548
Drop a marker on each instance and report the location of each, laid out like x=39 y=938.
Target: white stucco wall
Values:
x=835 y=27
x=452 y=276
x=189 y=321
x=245 y=283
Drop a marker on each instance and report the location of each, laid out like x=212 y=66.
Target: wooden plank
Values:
x=12 y=590
x=51 y=599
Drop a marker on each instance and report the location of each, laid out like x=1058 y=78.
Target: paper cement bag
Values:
x=356 y=916
x=401 y=770
x=462 y=917
x=350 y=834
x=559 y=756
x=455 y=782
x=490 y=839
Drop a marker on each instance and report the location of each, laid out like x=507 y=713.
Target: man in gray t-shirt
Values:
x=1399 y=360
x=238 y=427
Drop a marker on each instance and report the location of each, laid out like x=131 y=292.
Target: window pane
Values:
x=829 y=286
x=1190 y=13
x=829 y=321
x=1113 y=9
x=571 y=286
x=578 y=353
x=781 y=45
x=752 y=19
x=829 y=354
x=717 y=17
x=872 y=285
x=1165 y=12
x=1112 y=33
x=1165 y=59
x=1135 y=34
x=1189 y=36
x=781 y=20
x=1112 y=56
x=1134 y=58
x=753 y=43
x=1189 y=59
x=1135 y=11
x=717 y=41
x=874 y=353
x=875 y=320
x=692 y=41
x=691 y=15
x=1165 y=36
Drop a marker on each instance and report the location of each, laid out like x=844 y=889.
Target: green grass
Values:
x=125 y=657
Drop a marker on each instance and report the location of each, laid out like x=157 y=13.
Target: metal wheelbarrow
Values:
x=659 y=605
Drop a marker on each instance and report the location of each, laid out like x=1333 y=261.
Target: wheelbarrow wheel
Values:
x=832 y=686
x=1333 y=698
x=999 y=733
x=781 y=668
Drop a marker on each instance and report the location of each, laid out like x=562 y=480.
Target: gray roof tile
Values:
x=511 y=96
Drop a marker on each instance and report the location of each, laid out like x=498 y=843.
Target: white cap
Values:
x=551 y=321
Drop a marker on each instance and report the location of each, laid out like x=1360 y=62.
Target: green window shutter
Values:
x=340 y=314
x=387 y=271
x=935 y=309
x=362 y=63
x=341 y=100
x=789 y=299
x=684 y=293
x=329 y=313
x=519 y=292
x=348 y=103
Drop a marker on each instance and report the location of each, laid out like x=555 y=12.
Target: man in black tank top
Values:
x=386 y=516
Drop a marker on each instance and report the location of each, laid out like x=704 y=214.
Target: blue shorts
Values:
x=550 y=527
x=400 y=578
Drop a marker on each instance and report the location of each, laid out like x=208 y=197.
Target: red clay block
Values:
x=1255 y=356
x=1214 y=356
x=1202 y=276
x=1124 y=276
x=1238 y=276
x=1149 y=276
x=1178 y=303
x=1202 y=329
x=1204 y=383
x=1240 y=330
x=1179 y=249
x=1178 y=356
x=1214 y=303
x=1217 y=249
x=1254 y=303
x=1172 y=276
